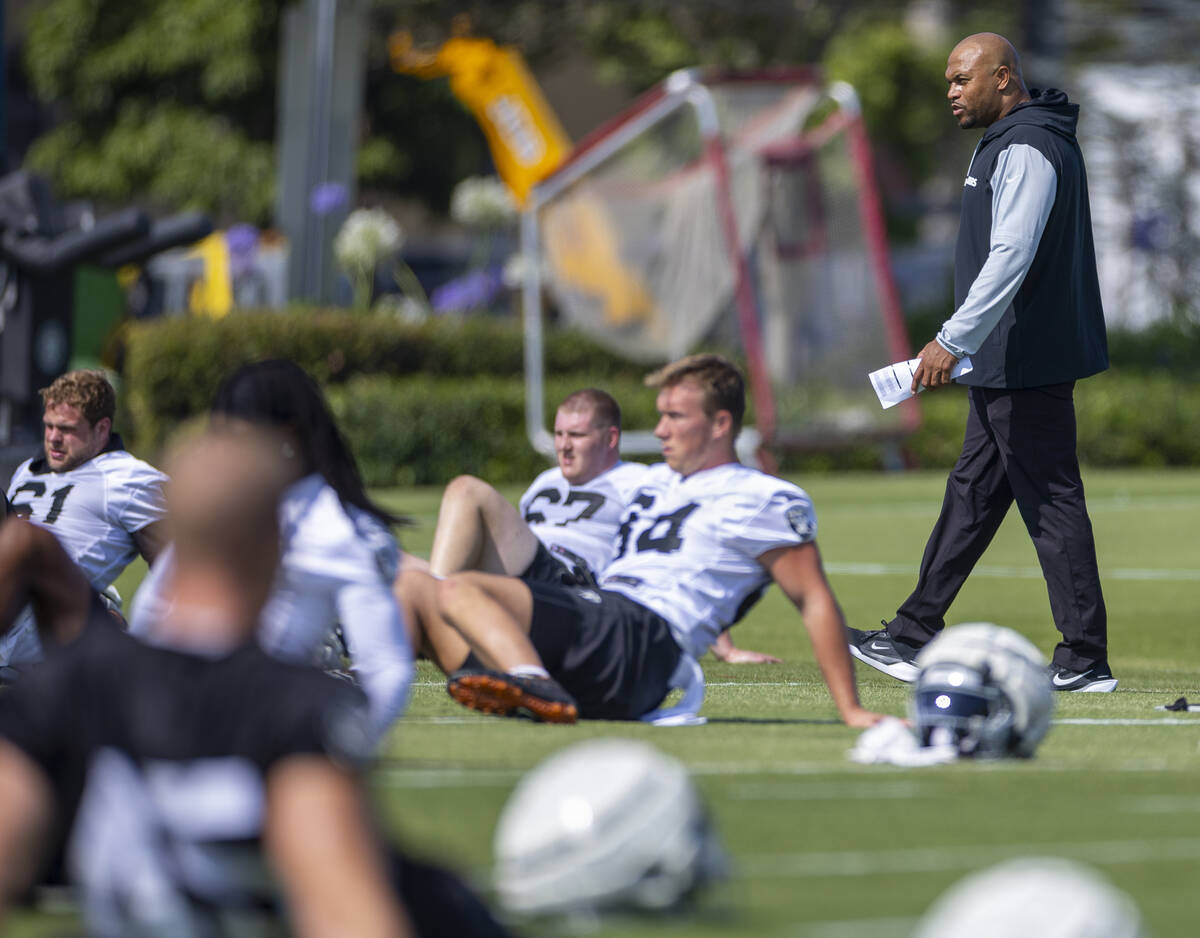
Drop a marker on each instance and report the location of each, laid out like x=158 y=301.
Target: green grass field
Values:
x=824 y=847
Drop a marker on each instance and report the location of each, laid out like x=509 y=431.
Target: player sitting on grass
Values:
x=702 y=538
x=565 y=528
x=104 y=505
x=339 y=555
x=567 y=519
x=211 y=789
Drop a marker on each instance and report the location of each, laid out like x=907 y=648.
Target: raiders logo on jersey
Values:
x=800 y=519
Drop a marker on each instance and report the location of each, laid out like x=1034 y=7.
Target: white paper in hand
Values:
x=893 y=383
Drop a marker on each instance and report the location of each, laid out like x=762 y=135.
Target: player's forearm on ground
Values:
x=724 y=649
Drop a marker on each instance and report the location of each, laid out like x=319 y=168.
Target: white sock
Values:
x=528 y=670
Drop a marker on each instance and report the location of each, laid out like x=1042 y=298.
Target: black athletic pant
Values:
x=1019 y=446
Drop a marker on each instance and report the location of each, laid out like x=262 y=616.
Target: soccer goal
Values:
x=729 y=210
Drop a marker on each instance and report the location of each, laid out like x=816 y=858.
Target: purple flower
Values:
x=242 y=243
x=1149 y=232
x=328 y=197
x=472 y=290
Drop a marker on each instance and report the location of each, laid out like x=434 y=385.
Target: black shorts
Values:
x=613 y=655
x=557 y=565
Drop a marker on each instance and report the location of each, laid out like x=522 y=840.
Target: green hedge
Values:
x=423 y=431
x=1123 y=419
x=1171 y=346
x=171 y=367
x=423 y=403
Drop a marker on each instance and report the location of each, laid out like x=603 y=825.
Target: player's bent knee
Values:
x=411 y=584
x=447 y=592
x=466 y=488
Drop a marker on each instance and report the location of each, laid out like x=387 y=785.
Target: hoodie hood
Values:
x=1049 y=109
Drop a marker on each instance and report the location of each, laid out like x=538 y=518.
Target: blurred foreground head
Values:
x=983 y=689
x=1033 y=897
x=604 y=824
x=222 y=503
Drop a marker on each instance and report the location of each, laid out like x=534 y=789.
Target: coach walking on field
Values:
x=1028 y=313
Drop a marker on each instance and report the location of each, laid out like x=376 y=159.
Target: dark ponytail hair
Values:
x=279 y=393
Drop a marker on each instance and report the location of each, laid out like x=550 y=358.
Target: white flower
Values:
x=517 y=268
x=482 y=202
x=404 y=308
x=367 y=236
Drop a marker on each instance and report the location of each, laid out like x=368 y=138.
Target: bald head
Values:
x=984 y=78
x=992 y=48
x=222 y=504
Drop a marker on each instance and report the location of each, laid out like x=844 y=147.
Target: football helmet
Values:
x=1047 y=897
x=984 y=689
x=603 y=824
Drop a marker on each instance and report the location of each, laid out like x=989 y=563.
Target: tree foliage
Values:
x=168 y=102
x=636 y=43
x=172 y=102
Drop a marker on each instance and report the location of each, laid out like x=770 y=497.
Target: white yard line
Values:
x=1161 y=721
x=909 y=860
x=824 y=791
x=399 y=776
x=868 y=783
x=856 y=928
x=1162 y=804
x=1167 y=721
x=1011 y=573
x=1095 y=504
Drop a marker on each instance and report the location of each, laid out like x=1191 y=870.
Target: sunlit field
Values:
x=824 y=847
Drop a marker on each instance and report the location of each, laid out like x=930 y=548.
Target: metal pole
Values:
x=318 y=148
x=3 y=94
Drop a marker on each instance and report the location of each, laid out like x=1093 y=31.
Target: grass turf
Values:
x=821 y=846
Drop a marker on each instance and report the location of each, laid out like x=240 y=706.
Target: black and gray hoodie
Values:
x=1027 y=298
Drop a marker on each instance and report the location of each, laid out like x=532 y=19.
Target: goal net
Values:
x=735 y=212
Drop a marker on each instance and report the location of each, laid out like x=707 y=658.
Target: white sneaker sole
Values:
x=900 y=670
x=1098 y=687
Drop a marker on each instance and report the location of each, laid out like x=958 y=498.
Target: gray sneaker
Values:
x=884 y=653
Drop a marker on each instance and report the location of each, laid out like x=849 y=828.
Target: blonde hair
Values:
x=718 y=378
x=606 y=412
x=87 y=389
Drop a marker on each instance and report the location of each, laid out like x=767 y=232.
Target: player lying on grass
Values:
x=566 y=524
x=339 y=555
x=702 y=538
x=212 y=788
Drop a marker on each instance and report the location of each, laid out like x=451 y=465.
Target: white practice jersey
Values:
x=337 y=567
x=689 y=547
x=581 y=519
x=94 y=509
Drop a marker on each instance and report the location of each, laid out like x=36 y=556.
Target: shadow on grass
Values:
x=772 y=721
